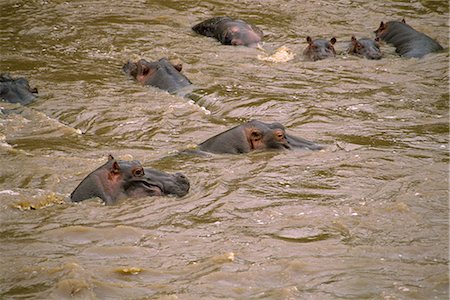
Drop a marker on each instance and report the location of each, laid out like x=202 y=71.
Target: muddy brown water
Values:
x=367 y=218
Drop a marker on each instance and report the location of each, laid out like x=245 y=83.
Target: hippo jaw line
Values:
x=152 y=187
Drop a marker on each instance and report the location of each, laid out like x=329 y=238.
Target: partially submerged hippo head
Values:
x=319 y=49
x=161 y=183
x=161 y=74
x=255 y=135
x=118 y=179
x=364 y=47
x=230 y=32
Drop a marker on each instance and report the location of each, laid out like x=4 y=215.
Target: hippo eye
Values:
x=138 y=172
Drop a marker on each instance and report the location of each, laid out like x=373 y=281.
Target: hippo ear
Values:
x=178 y=67
x=403 y=20
x=333 y=40
x=110 y=157
x=354 y=41
x=255 y=135
x=115 y=167
x=308 y=39
x=145 y=70
x=254 y=138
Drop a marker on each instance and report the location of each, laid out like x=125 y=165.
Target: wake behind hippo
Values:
x=229 y=31
x=255 y=135
x=118 y=179
x=161 y=74
x=16 y=90
x=407 y=41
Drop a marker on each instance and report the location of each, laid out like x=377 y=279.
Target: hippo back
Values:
x=167 y=77
x=16 y=90
x=408 y=41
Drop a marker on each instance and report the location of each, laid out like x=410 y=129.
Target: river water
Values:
x=366 y=218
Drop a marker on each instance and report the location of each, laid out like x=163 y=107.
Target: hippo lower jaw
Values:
x=144 y=188
x=253 y=45
x=374 y=56
x=179 y=186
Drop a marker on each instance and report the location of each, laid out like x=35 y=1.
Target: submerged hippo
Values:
x=230 y=32
x=365 y=47
x=319 y=49
x=118 y=179
x=407 y=41
x=16 y=90
x=161 y=74
x=255 y=135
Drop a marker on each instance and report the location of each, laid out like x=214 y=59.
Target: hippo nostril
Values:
x=181 y=176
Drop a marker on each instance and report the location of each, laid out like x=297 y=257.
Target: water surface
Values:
x=367 y=218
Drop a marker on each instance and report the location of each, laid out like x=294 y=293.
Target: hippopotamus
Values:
x=118 y=179
x=365 y=47
x=161 y=74
x=255 y=135
x=407 y=41
x=16 y=90
x=319 y=49
x=229 y=31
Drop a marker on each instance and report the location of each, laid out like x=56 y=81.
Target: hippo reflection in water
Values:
x=161 y=74
x=407 y=41
x=118 y=179
x=255 y=135
x=16 y=90
x=229 y=31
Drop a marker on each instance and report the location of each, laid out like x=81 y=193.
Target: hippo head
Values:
x=151 y=182
x=240 y=33
x=161 y=74
x=255 y=135
x=229 y=31
x=262 y=136
x=119 y=178
x=291 y=142
x=109 y=181
x=319 y=49
x=142 y=70
x=159 y=183
x=365 y=48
